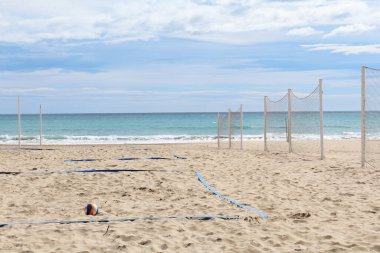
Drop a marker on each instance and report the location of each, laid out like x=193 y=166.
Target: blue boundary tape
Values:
x=157 y=158
x=86 y=171
x=10 y=172
x=103 y=171
x=180 y=157
x=127 y=159
x=191 y=217
x=200 y=178
x=80 y=160
x=26 y=149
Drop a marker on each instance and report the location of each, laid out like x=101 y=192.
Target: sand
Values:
x=313 y=205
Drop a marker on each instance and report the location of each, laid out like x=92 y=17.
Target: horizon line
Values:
x=78 y=113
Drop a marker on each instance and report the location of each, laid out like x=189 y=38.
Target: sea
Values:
x=150 y=128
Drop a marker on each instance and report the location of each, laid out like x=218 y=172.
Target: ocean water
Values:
x=167 y=127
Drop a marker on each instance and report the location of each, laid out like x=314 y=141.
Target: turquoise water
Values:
x=166 y=127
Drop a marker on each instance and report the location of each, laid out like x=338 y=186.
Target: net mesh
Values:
x=236 y=120
x=277 y=120
x=223 y=130
x=305 y=123
x=230 y=125
x=372 y=116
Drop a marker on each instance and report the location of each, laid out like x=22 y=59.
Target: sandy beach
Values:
x=313 y=205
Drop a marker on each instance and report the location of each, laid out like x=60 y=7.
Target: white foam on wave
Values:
x=111 y=139
x=158 y=139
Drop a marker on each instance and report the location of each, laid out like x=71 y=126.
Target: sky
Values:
x=96 y=56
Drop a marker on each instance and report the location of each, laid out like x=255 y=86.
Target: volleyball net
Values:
x=294 y=123
x=306 y=123
x=230 y=129
x=223 y=135
x=370 y=116
x=276 y=124
x=237 y=128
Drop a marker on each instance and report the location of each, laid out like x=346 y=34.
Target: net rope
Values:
x=372 y=116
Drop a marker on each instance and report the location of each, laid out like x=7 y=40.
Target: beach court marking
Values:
x=103 y=171
x=26 y=149
x=157 y=158
x=149 y=158
x=10 y=172
x=83 y=171
x=192 y=217
x=120 y=159
x=81 y=160
x=136 y=149
x=126 y=159
x=200 y=178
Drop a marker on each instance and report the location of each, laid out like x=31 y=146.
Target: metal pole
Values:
x=241 y=126
x=40 y=125
x=290 y=119
x=19 y=122
x=229 y=128
x=363 y=132
x=218 y=130
x=265 y=123
x=321 y=117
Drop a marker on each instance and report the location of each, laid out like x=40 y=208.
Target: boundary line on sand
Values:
x=83 y=171
x=200 y=178
x=190 y=217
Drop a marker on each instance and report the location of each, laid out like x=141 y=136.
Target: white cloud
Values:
x=185 y=80
x=12 y=91
x=345 y=49
x=227 y=20
x=169 y=77
x=188 y=87
x=350 y=29
x=304 y=31
x=200 y=92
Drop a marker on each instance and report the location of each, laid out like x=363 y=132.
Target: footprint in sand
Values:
x=300 y=215
x=125 y=238
x=146 y=242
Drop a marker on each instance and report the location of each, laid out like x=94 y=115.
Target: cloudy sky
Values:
x=185 y=55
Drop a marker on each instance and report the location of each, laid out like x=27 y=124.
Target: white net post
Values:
x=363 y=132
x=241 y=126
x=40 y=125
x=19 y=122
x=371 y=117
x=321 y=117
x=265 y=123
x=290 y=120
x=229 y=129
